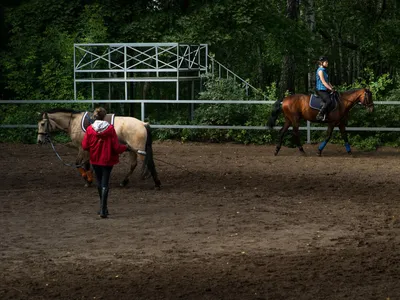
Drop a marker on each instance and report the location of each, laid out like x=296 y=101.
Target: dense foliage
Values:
x=273 y=44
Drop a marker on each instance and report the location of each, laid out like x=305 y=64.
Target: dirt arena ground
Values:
x=230 y=222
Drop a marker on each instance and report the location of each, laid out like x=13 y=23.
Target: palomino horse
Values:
x=296 y=107
x=130 y=130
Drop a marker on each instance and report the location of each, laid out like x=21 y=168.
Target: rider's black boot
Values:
x=321 y=114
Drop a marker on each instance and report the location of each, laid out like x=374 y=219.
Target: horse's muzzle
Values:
x=42 y=139
x=370 y=108
x=41 y=142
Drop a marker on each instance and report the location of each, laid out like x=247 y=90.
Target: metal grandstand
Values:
x=124 y=64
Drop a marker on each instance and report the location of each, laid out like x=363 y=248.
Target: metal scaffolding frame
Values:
x=127 y=63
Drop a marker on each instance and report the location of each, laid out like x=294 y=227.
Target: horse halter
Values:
x=46 y=132
x=367 y=96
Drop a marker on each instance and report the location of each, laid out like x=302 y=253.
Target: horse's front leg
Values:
x=83 y=166
x=133 y=158
x=328 y=137
x=89 y=173
x=343 y=133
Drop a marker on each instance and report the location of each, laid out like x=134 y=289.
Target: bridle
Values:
x=367 y=96
x=47 y=137
x=47 y=129
x=366 y=103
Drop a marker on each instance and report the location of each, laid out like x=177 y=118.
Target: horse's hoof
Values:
x=87 y=184
x=124 y=183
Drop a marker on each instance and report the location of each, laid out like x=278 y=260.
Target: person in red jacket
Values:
x=104 y=148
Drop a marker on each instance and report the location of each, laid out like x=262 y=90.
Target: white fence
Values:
x=308 y=128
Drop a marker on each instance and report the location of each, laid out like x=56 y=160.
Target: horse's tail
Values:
x=276 y=110
x=149 y=160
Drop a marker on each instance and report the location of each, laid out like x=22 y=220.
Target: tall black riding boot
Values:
x=103 y=207
x=99 y=189
x=321 y=114
x=100 y=192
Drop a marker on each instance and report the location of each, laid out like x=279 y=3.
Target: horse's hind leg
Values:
x=296 y=135
x=281 y=136
x=133 y=157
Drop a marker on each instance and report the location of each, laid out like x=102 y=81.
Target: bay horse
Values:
x=131 y=131
x=297 y=107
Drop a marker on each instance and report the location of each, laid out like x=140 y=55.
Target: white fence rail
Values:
x=308 y=128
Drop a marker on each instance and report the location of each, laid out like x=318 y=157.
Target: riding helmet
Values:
x=323 y=58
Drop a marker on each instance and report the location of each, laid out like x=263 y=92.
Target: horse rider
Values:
x=323 y=87
x=101 y=141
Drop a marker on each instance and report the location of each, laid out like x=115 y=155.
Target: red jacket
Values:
x=103 y=146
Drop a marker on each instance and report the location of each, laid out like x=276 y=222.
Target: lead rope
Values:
x=59 y=157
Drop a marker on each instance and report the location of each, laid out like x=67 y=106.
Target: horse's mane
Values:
x=66 y=110
x=351 y=91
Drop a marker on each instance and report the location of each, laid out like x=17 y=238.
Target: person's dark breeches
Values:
x=103 y=174
x=325 y=97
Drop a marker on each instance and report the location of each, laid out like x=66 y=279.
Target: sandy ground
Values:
x=230 y=222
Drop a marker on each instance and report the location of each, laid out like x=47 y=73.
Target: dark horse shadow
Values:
x=297 y=107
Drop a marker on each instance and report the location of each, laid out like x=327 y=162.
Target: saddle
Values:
x=87 y=120
x=316 y=102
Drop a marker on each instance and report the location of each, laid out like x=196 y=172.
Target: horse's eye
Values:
x=42 y=124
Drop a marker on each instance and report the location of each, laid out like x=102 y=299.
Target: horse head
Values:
x=366 y=100
x=44 y=129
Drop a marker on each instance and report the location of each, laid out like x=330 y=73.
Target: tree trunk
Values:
x=287 y=75
x=261 y=68
x=309 y=19
x=287 y=81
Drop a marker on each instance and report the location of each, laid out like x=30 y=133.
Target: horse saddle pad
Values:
x=316 y=103
x=87 y=120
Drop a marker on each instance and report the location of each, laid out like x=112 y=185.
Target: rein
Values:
x=184 y=169
x=354 y=103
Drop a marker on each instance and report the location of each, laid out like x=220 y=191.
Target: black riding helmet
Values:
x=323 y=58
